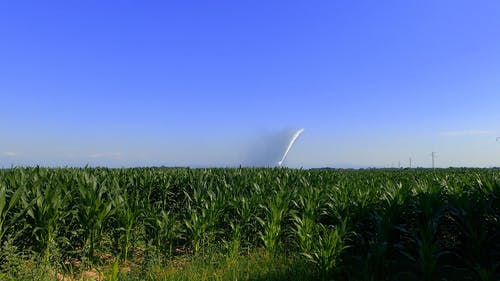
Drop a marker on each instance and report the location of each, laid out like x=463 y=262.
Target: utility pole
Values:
x=433 y=154
x=410 y=162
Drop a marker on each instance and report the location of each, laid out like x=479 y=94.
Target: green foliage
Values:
x=341 y=225
x=327 y=252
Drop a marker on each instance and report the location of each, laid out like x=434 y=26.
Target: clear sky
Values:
x=141 y=83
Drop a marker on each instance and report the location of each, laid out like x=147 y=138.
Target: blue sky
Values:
x=140 y=83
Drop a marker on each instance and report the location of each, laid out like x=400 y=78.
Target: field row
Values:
x=345 y=225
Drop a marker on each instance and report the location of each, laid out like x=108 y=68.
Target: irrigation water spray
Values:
x=270 y=149
x=290 y=144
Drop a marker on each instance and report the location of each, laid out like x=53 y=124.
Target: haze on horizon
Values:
x=177 y=83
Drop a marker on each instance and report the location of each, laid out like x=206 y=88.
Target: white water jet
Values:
x=290 y=144
x=270 y=149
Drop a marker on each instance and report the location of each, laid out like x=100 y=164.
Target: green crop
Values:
x=340 y=225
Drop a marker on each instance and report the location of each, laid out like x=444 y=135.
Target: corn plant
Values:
x=309 y=205
x=165 y=230
x=477 y=222
x=126 y=214
x=430 y=211
x=7 y=203
x=327 y=249
x=386 y=229
x=47 y=212
x=233 y=244
x=203 y=210
x=275 y=214
x=94 y=208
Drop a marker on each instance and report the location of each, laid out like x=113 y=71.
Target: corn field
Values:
x=335 y=225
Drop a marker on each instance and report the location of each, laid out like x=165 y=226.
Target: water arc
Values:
x=290 y=144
